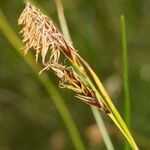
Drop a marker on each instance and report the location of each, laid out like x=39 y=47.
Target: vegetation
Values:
x=29 y=112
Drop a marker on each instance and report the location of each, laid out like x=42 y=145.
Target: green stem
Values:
x=50 y=88
x=125 y=76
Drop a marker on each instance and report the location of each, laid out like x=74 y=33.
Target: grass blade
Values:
x=125 y=76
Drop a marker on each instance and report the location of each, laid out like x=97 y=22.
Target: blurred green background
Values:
x=28 y=117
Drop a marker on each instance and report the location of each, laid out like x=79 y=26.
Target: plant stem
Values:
x=50 y=88
x=125 y=76
x=102 y=128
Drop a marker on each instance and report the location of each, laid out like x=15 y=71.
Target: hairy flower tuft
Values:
x=40 y=33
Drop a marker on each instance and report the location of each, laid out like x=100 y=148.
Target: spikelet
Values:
x=71 y=80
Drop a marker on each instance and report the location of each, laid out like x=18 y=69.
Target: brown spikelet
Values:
x=71 y=80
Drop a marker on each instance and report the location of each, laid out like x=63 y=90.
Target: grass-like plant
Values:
x=45 y=81
x=40 y=34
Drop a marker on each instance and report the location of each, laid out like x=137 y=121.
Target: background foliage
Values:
x=28 y=118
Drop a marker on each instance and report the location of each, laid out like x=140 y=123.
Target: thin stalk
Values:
x=96 y=113
x=125 y=76
x=102 y=128
x=50 y=88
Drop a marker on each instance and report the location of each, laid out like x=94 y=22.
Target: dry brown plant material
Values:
x=40 y=34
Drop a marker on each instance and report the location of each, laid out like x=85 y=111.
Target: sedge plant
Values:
x=40 y=33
